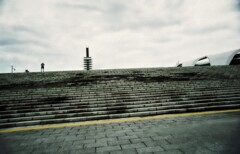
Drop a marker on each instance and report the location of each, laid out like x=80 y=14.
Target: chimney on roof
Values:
x=87 y=52
x=87 y=61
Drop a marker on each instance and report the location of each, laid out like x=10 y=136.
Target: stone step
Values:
x=117 y=94
x=95 y=107
x=114 y=116
x=129 y=101
x=44 y=92
x=58 y=97
x=123 y=109
x=131 y=95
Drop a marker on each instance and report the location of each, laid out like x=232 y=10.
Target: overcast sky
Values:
x=119 y=33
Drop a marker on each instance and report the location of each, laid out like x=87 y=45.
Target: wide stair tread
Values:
x=59 y=97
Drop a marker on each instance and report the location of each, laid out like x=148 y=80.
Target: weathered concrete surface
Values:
x=28 y=99
x=216 y=133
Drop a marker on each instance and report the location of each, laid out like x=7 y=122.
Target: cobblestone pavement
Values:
x=216 y=133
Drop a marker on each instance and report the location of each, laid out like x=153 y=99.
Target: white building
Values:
x=226 y=58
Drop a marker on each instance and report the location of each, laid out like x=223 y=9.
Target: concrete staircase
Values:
x=28 y=99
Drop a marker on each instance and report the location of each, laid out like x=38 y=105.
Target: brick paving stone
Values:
x=111 y=139
x=78 y=146
x=211 y=139
x=119 y=142
x=150 y=149
x=65 y=146
x=81 y=136
x=136 y=145
x=47 y=140
x=82 y=151
x=179 y=146
x=90 y=141
x=95 y=136
x=155 y=143
x=79 y=143
x=98 y=144
x=139 y=134
x=109 y=148
x=53 y=149
x=19 y=152
x=170 y=152
x=137 y=140
x=216 y=147
x=116 y=134
x=106 y=152
x=178 y=140
x=162 y=137
x=16 y=150
x=127 y=137
x=126 y=151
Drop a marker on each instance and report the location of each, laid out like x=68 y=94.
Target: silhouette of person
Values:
x=42 y=67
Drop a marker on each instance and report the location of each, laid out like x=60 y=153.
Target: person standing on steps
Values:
x=42 y=67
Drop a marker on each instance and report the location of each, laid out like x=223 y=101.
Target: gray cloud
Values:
x=119 y=15
x=207 y=30
x=173 y=4
x=84 y=7
x=1 y=2
x=237 y=4
x=19 y=28
x=19 y=35
x=120 y=34
x=5 y=42
x=139 y=18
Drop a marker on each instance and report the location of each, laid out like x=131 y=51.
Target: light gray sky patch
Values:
x=85 y=7
x=119 y=33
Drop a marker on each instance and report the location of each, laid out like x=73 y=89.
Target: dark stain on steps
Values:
x=118 y=107
x=85 y=79
x=74 y=96
x=93 y=79
x=54 y=100
x=2 y=108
